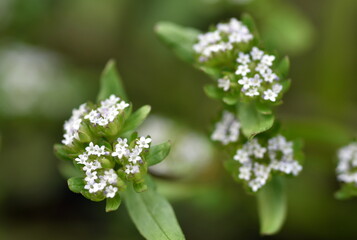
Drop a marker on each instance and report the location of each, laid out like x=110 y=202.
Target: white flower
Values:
x=277 y=88
x=347 y=162
x=255 y=81
x=110 y=191
x=131 y=169
x=72 y=125
x=245 y=172
x=143 y=142
x=224 y=83
x=267 y=60
x=245 y=81
x=241 y=156
x=82 y=158
x=226 y=130
x=256 y=53
x=252 y=92
x=243 y=58
x=243 y=70
x=261 y=68
x=269 y=76
x=270 y=95
x=110 y=176
x=90 y=177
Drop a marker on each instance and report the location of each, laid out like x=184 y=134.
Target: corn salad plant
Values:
x=112 y=160
x=249 y=82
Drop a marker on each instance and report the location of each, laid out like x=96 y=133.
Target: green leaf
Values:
x=113 y=204
x=252 y=120
x=272 y=206
x=76 y=184
x=136 y=118
x=347 y=191
x=158 y=153
x=110 y=83
x=249 y=22
x=152 y=214
x=283 y=67
x=62 y=152
x=230 y=100
x=212 y=91
x=179 y=39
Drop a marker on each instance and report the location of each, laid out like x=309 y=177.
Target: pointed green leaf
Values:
x=110 y=83
x=252 y=120
x=113 y=204
x=347 y=191
x=136 y=118
x=76 y=184
x=158 y=153
x=179 y=39
x=272 y=206
x=249 y=22
x=152 y=214
x=283 y=67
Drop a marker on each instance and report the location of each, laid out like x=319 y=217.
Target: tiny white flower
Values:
x=252 y=92
x=267 y=60
x=256 y=53
x=110 y=191
x=255 y=81
x=243 y=58
x=241 y=156
x=243 y=70
x=245 y=81
x=269 y=76
x=270 y=95
x=277 y=88
x=143 y=142
x=224 y=83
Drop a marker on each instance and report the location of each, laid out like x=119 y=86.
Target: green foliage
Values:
x=152 y=214
x=252 y=120
x=158 y=153
x=136 y=119
x=272 y=206
x=113 y=204
x=179 y=39
x=76 y=184
x=347 y=191
x=110 y=83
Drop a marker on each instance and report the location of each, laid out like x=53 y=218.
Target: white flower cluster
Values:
x=226 y=130
x=347 y=163
x=257 y=77
x=98 y=180
x=252 y=157
x=107 y=111
x=131 y=155
x=222 y=39
x=72 y=125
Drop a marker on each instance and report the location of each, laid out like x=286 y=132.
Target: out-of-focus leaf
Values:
x=113 y=204
x=136 y=118
x=179 y=39
x=283 y=67
x=253 y=121
x=110 y=83
x=62 y=152
x=152 y=214
x=76 y=184
x=347 y=191
x=272 y=206
x=158 y=153
x=212 y=91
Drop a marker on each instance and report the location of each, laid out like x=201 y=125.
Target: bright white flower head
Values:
x=226 y=130
x=143 y=142
x=222 y=39
x=347 y=162
x=270 y=95
x=108 y=110
x=131 y=169
x=257 y=162
x=72 y=126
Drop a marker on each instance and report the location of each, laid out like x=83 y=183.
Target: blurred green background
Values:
x=51 y=56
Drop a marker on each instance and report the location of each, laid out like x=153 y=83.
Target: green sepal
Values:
x=252 y=120
x=179 y=39
x=136 y=118
x=158 y=153
x=140 y=187
x=113 y=204
x=76 y=184
x=92 y=196
x=110 y=83
x=272 y=206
